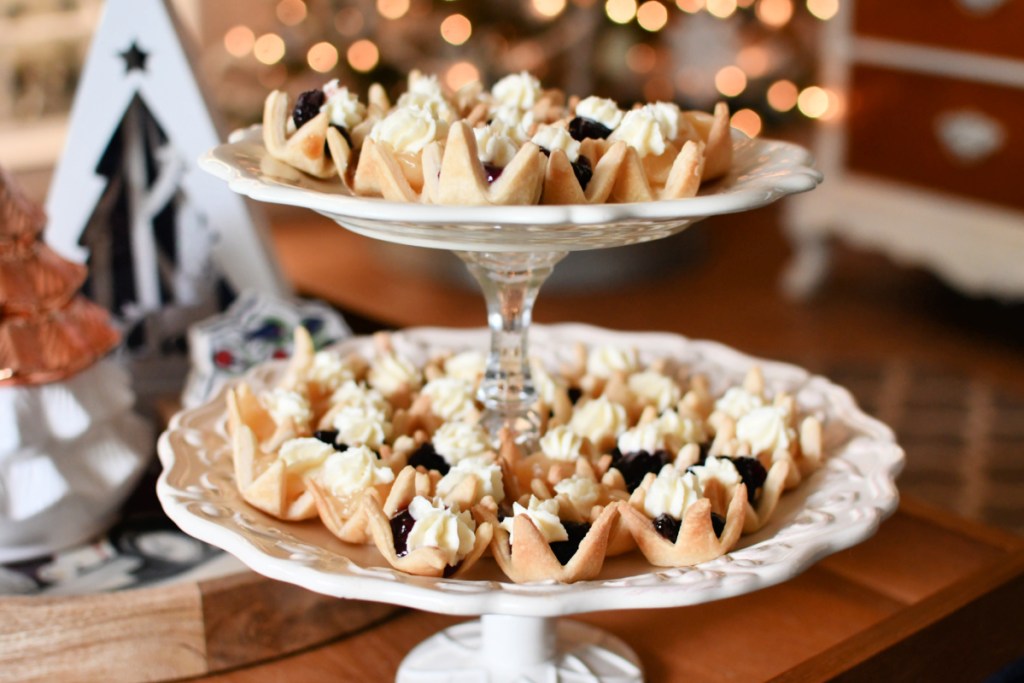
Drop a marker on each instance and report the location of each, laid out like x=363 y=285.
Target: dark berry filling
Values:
x=583 y=171
x=717 y=523
x=307 y=106
x=492 y=172
x=344 y=134
x=753 y=474
x=581 y=128
x=635 y=466
x=564 y=550
x=329 y=436
x=668 y=526
x=575 y=393
x=428 y=458
x=401 y=525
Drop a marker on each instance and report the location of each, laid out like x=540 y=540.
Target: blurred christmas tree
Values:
x=756 y=54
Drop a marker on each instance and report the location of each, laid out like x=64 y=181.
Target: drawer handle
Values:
x=981 y=6
x=969 y=135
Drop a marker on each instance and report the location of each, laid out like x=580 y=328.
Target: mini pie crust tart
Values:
x=696 y=541
x=423 y=561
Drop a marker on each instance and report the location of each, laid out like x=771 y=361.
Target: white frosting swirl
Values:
x=555 y=137
x=602 y=110
x=455 y=441
x=604 y=361
x=737 y=402
x=655 y=388
x=436 y=526
x=286 y=404
x=494 y=146
x=304 y=454
x=561 y=443
x=469 y=366
x=513 y=122
x=361 y=425
x=450 y=398
x=765 y=430
x=354 y=470
x=582 y=492
x=329 y=370
x=392 y=373
x=546 y=386
x=352 y=394
x=721 y=469
x=644 y=437
x=668 y=116
x=671 y=493
x=486 y=471
x=682 y=429
x=407 y=130
x=520 y=90
x=641 y=131
x=544 y=514
x=599 y=418
x=343 y=107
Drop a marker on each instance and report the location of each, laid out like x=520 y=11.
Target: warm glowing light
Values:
x=691 y=6
x=620 y=11
x=744 y=3
x=721 y=8
x=362 y=55
x=291 y=12
x=528 y=55
x=775 y=13
x=392 y=9
x=823 y=9
x=730 y=81
x=813 y=102
x=456 y=29
x=754 y=61
x=238 y=41
x=349 y=21
x=652 y=16
x=548 y=8
x=641 y=58
x=322 y=57
x=268 y=48
x=782 y=95
x=658 y=89
x=461 y=73
x=748 y=121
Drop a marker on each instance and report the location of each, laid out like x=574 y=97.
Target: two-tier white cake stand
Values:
x=510 y=251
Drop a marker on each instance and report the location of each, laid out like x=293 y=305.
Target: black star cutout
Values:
x=134 y=58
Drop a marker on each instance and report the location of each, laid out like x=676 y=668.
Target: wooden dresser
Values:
x=925 y=161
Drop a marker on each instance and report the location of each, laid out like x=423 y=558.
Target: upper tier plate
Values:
x=836 y=507
x=762 y=172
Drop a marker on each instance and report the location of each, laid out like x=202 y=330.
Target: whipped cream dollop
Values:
x=668 y=115
x=343 y=107
x=354 y=470
x=437 y=526
x=352 y=394
x=483 y=468
x=543 y=514
x=304 y=454
x=718 y=468
x=494 y=145
x=520 y=90
x=682 y=429
x=514 y=122
x=600 y=109
x=546 y=386
x=604 y=361
x=561 y=443
x=469 y=366
x=407 y=130
x=655 y=389
x=392 y=373
x=641 y=130
x=287 y=404
x=671 y=493
x=555 y=137
x=583 y=492
x=361 y=425
x=765 y=430
x=598 y=418
x=329 y=371
x=455 y=441
x=643 y=437
x=450 y=398
x=737 y=402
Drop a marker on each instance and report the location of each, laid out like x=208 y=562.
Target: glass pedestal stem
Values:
x=510 y=283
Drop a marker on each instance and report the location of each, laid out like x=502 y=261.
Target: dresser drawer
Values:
x=951 y=135
x=998 y=30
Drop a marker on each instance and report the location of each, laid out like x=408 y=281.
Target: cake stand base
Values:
x=507 y=649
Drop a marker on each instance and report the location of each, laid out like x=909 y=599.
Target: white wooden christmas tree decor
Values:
x=128 y=199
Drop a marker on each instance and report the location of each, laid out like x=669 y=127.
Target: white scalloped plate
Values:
x=762 y=172
x=839 y=506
